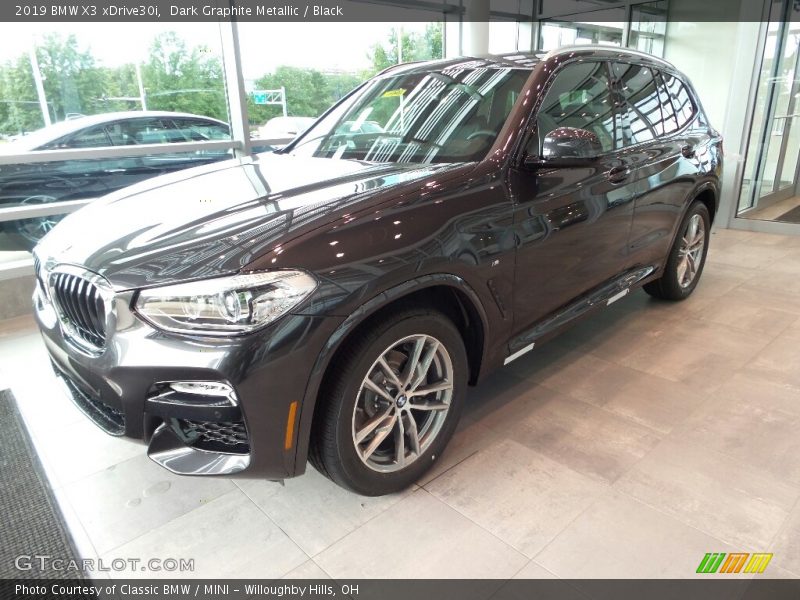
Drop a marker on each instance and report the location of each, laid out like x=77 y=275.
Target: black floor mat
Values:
x=792 y=216
x=32 y=524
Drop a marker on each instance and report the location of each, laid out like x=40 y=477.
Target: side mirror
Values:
x=567 y=146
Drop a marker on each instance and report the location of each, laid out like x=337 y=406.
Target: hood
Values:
x=214 y=220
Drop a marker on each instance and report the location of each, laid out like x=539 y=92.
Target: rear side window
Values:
x=681 y=100
x=640 y=106
x=579 y=97
x=197 y=130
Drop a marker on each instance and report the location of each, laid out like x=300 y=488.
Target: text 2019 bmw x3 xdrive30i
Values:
x=333 y=301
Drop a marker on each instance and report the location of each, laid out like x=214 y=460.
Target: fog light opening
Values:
x=216 y=389
x=196 y=393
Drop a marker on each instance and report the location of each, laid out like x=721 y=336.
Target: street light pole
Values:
x=37 y=79
x=142 y=97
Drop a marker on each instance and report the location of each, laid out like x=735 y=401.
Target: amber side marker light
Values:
x=290 y=426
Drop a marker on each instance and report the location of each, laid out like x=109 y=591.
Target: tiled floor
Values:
x=630 y=447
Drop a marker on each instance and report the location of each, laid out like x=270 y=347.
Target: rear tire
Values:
x=686 y=259
x=381 y=424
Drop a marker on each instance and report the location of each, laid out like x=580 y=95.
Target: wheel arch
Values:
x=449 y=293
x=708 y=193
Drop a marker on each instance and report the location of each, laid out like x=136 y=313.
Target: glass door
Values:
x=772 y=171
x=779 y=164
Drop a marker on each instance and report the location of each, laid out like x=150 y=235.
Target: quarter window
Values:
x=667 y=109
x=684 y=107
x=579 y=97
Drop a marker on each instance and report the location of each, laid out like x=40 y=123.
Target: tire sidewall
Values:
x=360 y=477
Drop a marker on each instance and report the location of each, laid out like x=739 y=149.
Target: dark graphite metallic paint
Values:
x=526 y=249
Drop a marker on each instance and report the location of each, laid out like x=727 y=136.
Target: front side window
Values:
x=94 y=137
x=579 y=97
x=640 y=106
x=452 y=115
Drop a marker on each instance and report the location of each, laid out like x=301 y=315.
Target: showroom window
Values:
x=287 y=91
x=79 y=96
x=639 y=26
x=648 y=27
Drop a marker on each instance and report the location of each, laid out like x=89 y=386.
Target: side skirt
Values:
x=604 y=295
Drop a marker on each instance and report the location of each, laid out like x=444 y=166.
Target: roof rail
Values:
x=622 y=51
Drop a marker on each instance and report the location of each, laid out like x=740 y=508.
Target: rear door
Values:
x=656 y=116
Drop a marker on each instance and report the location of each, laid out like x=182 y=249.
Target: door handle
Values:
x=688 y=151
x=618 y=174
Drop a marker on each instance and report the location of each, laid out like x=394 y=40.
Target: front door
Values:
x=572 y=222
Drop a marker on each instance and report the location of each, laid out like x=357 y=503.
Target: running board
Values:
x=602 y=296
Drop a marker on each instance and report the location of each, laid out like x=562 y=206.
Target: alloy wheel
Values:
x=690 y=254
x=36 y=228
x=402 y=403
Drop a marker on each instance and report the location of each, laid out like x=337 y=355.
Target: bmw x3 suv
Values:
x=333 y=301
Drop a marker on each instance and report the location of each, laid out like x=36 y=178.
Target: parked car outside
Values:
x=332 y=302
x=283 y=128
x=26 y=184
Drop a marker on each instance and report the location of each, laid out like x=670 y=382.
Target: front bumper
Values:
x=269 y=371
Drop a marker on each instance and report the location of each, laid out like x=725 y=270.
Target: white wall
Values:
x=720 y=60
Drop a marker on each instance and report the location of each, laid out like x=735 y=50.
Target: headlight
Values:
x=236 y=304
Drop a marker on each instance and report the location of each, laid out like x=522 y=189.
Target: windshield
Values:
x=453 y=115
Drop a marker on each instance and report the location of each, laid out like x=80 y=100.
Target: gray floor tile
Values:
x=753 y=420
x=658 y=403
x=421 y=537
x=521 y=496
x=712 y=492
x=82 y=449
x=583 y=437
x=129 y=499
x=312 y=510
x=786 y=546
x=308 y=570
x=621 y=538
x=228 y=538
x=780 y=361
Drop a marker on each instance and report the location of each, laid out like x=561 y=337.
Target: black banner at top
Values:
x=333 y=11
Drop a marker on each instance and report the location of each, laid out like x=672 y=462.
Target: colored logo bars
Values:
x=719 y=562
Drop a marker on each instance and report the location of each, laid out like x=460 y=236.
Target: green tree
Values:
x=179 y=79
x=73 y=83
x=19 y=105
x=416 y=46
x=308 y=92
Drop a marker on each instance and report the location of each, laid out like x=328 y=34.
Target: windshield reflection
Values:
x=453 y=115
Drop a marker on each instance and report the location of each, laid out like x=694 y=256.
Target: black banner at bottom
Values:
x=390 y=589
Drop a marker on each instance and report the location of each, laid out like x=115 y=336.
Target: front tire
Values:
x=687 y=257
x=391 y=402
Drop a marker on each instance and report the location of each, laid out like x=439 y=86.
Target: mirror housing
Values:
x=566 y=147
